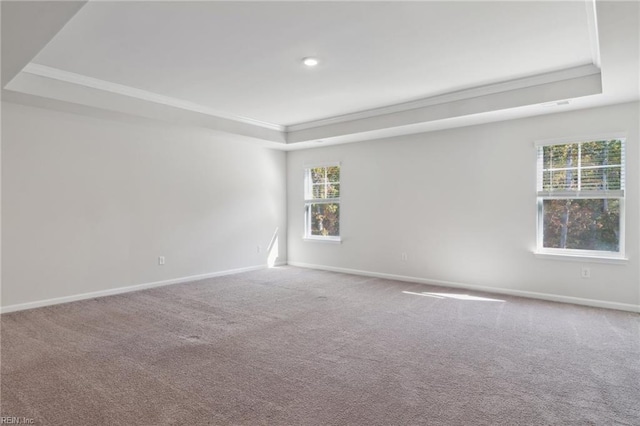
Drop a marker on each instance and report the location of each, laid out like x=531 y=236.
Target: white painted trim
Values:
x=132 y=92
x=313 y=165
x=474 y=92
x=594 y=38
x=567 y=256
x=128 y=289
x=520 y=293
x=330 y=240
x=285 y=131
x=614 y=193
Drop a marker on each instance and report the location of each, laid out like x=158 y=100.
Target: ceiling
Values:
x=386 y=68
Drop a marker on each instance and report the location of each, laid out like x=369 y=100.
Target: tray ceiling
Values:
x=385 y=68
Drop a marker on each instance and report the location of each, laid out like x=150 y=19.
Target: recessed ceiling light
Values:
x=310 y=62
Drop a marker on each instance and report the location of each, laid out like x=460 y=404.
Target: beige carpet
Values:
x=290 y=346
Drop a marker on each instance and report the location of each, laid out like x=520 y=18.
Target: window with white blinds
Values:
x=581 y=197
x=322 y=202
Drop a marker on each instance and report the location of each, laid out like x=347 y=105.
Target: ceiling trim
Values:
x=474 y=92
x=36 y=101
x=132 y=92
x=39 y=86
x=577 y=87
x=543 y=88
x=119 y=89
x=592 y=24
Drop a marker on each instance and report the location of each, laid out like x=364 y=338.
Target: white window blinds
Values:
x=593 y=169
x=322 y=184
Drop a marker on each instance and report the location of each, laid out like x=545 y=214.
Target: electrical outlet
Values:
x=403 y=257
x=160 y=260
x=586 y=273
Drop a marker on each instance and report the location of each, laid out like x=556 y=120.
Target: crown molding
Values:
x=533 y=90
x=94 y=83
x=474 y=92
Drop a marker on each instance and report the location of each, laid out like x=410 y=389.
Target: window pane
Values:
x=602 y=153
x=560 y=156
x=317 y=175
x=582 y=224
x=333 y=190
x=326 y=190
x=601 y=179
x=319 y=191
x=325 y=174
x=560 y=180
x=324 y=219
x=333 y=174
x=323 y=182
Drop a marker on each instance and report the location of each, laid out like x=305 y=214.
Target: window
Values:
x=322 y=203
x=581 y=198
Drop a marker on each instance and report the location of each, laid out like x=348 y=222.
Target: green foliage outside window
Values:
x=589 y=224
x=571 y=218
x=325 y=220
x=323 y=201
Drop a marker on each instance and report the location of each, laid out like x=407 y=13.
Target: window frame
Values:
x=581 y=254
x=309 y=201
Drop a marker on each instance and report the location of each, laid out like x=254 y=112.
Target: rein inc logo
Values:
x=10 y=420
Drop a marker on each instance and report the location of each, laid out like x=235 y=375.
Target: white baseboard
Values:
x=128 y=289
x=530 y=294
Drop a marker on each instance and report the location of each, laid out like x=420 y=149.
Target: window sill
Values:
x=330 y=240
x=581 y=258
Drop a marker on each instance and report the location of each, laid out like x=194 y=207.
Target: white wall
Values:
x=462 y=204
x=89 y=205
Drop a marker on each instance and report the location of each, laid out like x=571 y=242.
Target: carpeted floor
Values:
x=290 y=346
